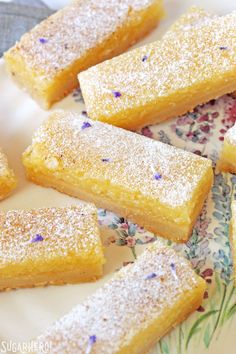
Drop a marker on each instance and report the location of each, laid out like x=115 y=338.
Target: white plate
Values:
x=25 y=313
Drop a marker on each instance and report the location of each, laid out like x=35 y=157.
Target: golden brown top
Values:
x=135 y=296
x=70 y=144
x=199 y=53
x=66 y=36
x=33 y=238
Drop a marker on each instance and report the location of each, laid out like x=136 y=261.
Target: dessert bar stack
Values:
x=92 y=157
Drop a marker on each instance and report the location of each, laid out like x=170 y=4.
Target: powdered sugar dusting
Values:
x=66 y=36
x=39 y=236
x=189 y=55
x=194 y=18
x=107 y=315
x=133 y=159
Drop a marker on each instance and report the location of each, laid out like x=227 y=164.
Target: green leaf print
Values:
x=164 y=347
x=207 y=337
x=196 y=327
x=231 y=312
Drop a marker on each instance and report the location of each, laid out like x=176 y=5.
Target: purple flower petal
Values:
x=144 y=58
x=151 y=276
x=92 y=339
x=173 y=270
x=172 y=266
x=223 y=48
x=91 y=342
x=43 y=40
x=157 y=176
x=86 y=125
x=116 y=94
x=37 y=238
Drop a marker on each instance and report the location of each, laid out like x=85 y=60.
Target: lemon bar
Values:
x=164 y=291
x=233 y=237
x=153 y=184
x=166 y=78
x=49 y=246
x=227 y=162
x=7 y=177
x=195 y=16
x=47 y=60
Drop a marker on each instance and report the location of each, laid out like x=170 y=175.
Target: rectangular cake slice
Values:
x=49 y=246
x=192 y=64
x=153 y=184
x=46 y=60
x=163 y=290
x=7 y=177
x=227 y=161
x=233 y=237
